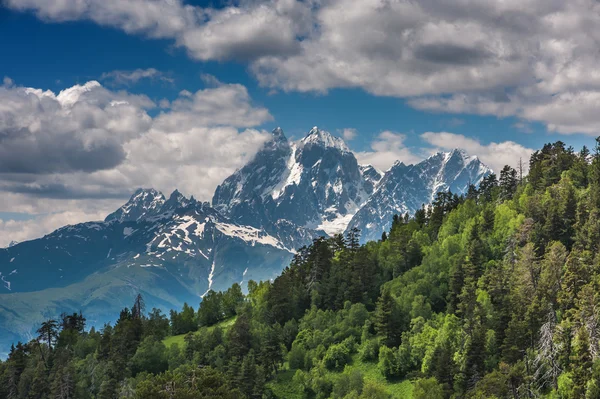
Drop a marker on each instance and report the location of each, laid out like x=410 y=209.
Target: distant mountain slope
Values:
x=171 y=254
x=405 y=188
x=175 y=249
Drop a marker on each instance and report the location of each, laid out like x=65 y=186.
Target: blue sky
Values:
x=389 y=70
x=58 y=55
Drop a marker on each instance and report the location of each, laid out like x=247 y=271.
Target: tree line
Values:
x=490 y=294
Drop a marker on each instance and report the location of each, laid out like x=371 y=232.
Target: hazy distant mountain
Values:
x=169 y=254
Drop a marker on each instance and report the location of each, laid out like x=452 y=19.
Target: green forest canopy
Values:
x=494 y=294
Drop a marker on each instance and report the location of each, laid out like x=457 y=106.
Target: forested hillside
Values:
x=494 y=294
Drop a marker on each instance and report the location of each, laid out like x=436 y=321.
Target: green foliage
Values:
x=428 y=389
x=184 y=321
x=490 y=295
x=370 y=351
x=388 y=363
x=337 y=356
x=151 y=357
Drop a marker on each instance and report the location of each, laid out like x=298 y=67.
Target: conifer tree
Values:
x=508 y=182
x=48 y=332
x=387 y=321
x=582 y=363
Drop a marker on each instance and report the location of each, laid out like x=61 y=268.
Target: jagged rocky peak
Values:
x=405 y=188
x=315 y=183
x=276 y=142
x=144 y=201
x=455 y=156
x=371 y=177
x=370 y=173
x=177 y=200
x=147 y=202
x=278 y=134
x=323 y=138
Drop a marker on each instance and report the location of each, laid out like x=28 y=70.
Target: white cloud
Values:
x=386 y=149
x=47 y=214
x=82 y=128
x=246 y=32
x=132 y=77
x=155 y=18
x=199 y=157
x=7 y=82
x=534 y=59
x=224 y=105
x=495 y=155
x=88 y=142
x=349 y=133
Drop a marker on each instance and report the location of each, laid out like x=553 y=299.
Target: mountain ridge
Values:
x=176 y=249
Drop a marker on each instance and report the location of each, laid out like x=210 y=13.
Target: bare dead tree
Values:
x=547 y=368
x=520 y=170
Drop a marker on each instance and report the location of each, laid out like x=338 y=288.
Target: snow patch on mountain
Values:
x=143 y=203
x=211 y=276
x=291 y=176
x=127 y=231
x=249 y=234
x=316 y=184
x=405 y=188
x=336 y=225
x=6 y=282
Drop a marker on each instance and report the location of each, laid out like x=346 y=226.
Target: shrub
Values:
x=387 y=362
x=296 y=357
x=370 y=351
x=337 y=356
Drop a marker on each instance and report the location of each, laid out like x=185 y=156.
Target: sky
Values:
x=100 y=97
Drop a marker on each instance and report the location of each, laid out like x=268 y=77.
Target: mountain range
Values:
x=174 y=250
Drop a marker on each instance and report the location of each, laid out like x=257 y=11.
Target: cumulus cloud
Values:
x=534 y=59
x=132 y=77
x=155 y=18
x=249 y=31
x=386 y=149
x=88 y=142
x=200 y=158
x=42 y=216
x=80 y=129
x=495 y=155
x=224 y=105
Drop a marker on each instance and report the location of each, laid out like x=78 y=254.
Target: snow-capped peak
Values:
x=277 y=141
x=454 y=153
x=464 y=155
x=143 y=202
x=278 y=133
x=323 y=138
x=177 y=200
x=371 y=174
